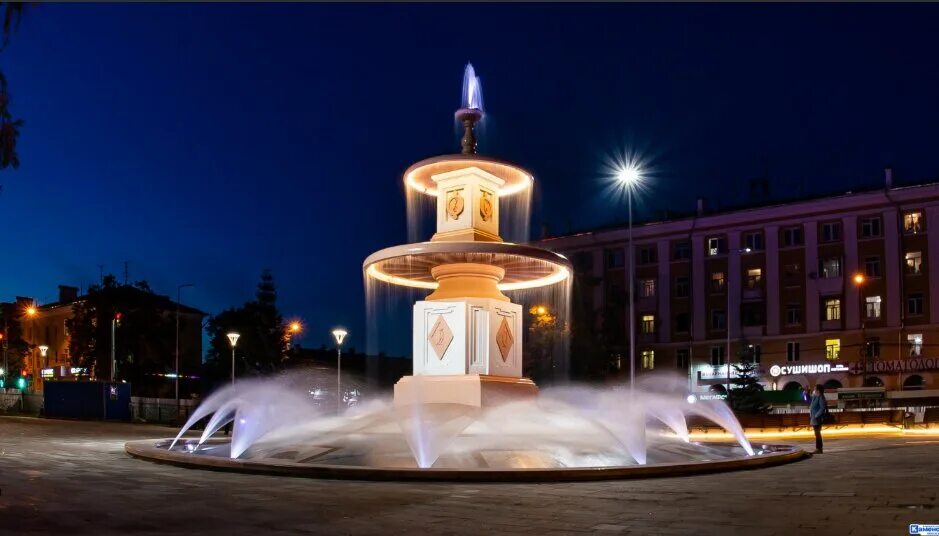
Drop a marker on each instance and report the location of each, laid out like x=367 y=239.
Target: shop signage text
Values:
x=817 y=368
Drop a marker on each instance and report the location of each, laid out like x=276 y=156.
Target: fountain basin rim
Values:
x=151 y=450
x=419 y=176
x=554 y=267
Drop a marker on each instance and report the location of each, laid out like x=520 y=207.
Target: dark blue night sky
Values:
x=203 y=143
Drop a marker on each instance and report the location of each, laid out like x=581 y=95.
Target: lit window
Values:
x=647 y=288
x=916 y=344
x=913 y=222
x=648 y=323
x=832 y=348
x=914 y=262
x=648 y=359
x=832 y=309
x=753 y=277
x=717 y=282
x=870 y=227
x=831 y=267
x=716 y=246
x=873 y=307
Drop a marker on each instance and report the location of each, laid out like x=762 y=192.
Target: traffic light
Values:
x=21 y=383
x=117 y=318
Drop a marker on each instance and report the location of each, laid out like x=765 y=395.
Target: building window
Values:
x=716 y=246
x=792 y=351
x=914 y=304
x=754 y=275
x=832 y=309
x=792 y=237
x=793 y=314
x=682 y=323
x=870 y=227
x=872 y=266
x=717 y=356
x=873 y=347
x=752 y=314
x=831 y=232
x=717 y=282
x=647 y=288
x=753 y=241
x=913 y=222
x=647 y=255
x=916 y=344
x=753 y=354
x=615 y=258
x=681 y=359
x=648 y=324
x=831 y=267
x=648 y=359
x=718 y=319
x=872 y=304
x=682 y=287
x=914 y=262
x=832 y=349
x=682 y=251
x=792 y=275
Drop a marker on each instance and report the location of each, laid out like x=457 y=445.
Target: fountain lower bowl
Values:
x=520 y=465
x=411 y=265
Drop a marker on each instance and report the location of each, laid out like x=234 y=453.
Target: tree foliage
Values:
x=16 y=347
x=9 y=126
x=747 y=393
x=262 y=344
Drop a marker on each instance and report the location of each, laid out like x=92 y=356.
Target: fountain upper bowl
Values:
x=420 y=175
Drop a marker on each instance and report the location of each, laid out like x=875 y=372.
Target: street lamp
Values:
x=630 y=175
x=727 y=317
x=339 y=334
x=233 y=339
x=859 y=281
x=176 y=380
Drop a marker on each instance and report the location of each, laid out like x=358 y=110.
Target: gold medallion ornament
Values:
x=485 y=206
x=504 y=339
x=440 y=337
x=455 y=205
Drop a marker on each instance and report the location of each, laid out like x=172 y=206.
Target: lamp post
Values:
x=176 y=368
x=31 y=313
x=859 y=281
x=629 y=176
x=339 y=334
x=233 y=339
x=114 y=323
x=727 y=318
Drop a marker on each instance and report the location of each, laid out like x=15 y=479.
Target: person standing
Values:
x=817 y=410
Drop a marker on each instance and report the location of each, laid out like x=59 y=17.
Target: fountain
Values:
x=467 y=412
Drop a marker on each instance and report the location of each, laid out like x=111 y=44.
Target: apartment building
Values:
x=832 y=290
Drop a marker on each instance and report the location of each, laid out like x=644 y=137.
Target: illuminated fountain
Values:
x=467 y=412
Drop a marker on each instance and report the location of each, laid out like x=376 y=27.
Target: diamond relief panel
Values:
x=504 y=339
x=440 y=337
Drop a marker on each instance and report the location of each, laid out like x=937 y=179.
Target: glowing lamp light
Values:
x=339 y=334
x=43 y=349
x=295 y=327
x=2 y=371
x=21 y=383
x=629 y=175
x=692 y=399
x=541 y=310
x=233 y=338
x=31 y=311
x=858 y=279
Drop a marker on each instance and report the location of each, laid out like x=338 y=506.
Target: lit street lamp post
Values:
x=233 y=339
x=339 y=334
x=178 y=292
x=630 y=176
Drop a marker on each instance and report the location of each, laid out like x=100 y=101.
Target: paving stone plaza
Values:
x=70 y=477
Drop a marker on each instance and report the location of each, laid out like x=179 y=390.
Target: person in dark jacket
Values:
x=817 y=410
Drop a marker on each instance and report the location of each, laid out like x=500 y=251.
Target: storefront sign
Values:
x=710 y=372
x=817 y=368
x=895 y=365
x=48 y=373
x=78 y=370
x=861 y=395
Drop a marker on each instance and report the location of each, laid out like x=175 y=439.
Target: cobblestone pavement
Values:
x=65 y=477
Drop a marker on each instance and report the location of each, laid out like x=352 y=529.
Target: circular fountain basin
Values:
x=420 y=175
x=411 y=265
x=517 y=466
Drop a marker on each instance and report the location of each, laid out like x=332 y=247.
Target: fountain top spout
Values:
x=471 y=111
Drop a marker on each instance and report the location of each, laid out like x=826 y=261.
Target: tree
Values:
x=9 y=127
x=16 y=347
x=262 y=344
x=545 y=339
x=747 y=394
